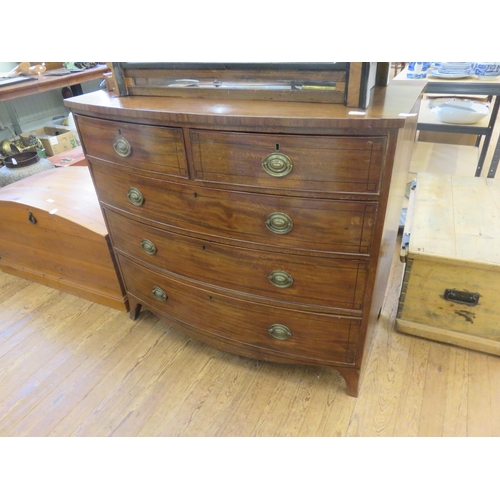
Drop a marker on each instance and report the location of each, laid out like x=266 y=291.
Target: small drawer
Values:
x=322 y=282
x=299 y=335
x=306 y=163
x=274 y=221
x=145 y=147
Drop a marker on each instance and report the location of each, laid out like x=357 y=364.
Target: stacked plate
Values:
x=452 y=70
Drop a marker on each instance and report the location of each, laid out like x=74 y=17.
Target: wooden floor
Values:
x=69 y=367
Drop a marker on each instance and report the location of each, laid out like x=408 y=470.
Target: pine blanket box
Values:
x=52 y=231
x=451 y=285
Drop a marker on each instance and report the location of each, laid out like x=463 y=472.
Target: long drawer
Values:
x=286 y=221
x=322 y=282
x=284 y=331
x=149 y=148
x=306 y=163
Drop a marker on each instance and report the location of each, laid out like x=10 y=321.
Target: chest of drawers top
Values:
x=388 y=109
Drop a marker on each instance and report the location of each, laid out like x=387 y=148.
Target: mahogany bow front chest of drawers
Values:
x=263 y=228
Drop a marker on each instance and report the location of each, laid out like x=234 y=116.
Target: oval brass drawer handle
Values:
x=135 y=197
x=148 y=246
x=159 y=294
x=280 y=332
x=277 y=164
x=279 y=223
x=122 y=146
x=281 y=279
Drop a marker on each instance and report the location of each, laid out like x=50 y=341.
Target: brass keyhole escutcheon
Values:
x=280 y=332
x=279 y=223
x=148 y=246
x=280 y=279
x=122 y=146
x=32 y=218
x=277 y=164
x=135 y=197
x=159 y=294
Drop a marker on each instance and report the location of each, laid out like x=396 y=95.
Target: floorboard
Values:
x=73 y=368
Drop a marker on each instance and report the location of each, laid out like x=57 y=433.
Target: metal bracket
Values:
x=405 y=241
x=468 y=298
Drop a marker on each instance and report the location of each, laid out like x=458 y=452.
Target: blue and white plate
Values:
x=450 y=76
x=452 y=70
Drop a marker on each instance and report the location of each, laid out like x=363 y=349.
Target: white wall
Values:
x=7 y=66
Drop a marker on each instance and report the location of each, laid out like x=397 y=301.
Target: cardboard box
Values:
x=55 y=140
x=73 y=158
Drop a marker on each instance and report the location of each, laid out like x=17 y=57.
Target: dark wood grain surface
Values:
x=214 y=250
x=320 y=283
x=314 y=337
x=157 y=149
x=387 y=104
x=318 y=225
x=321 y=164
